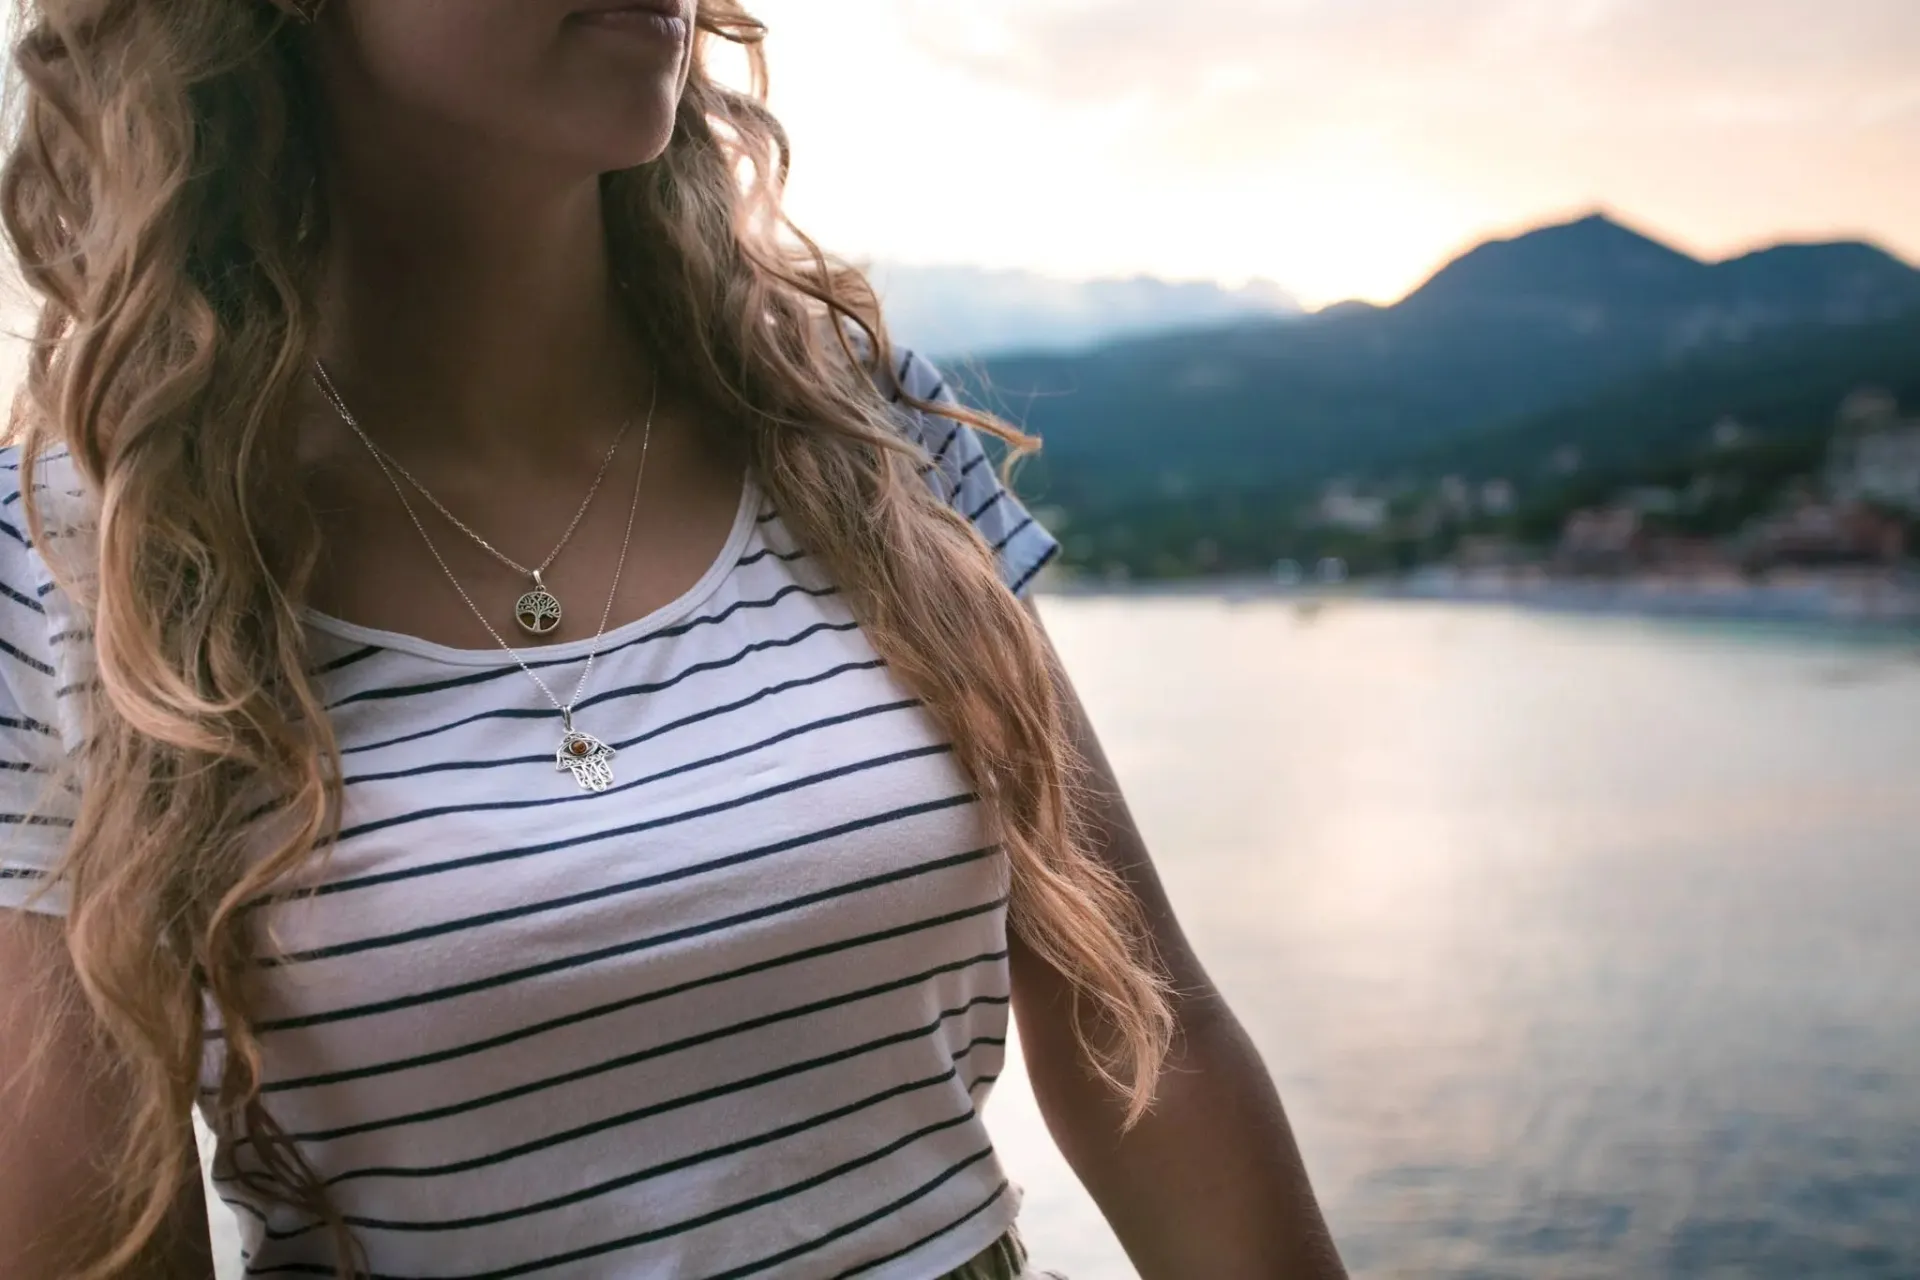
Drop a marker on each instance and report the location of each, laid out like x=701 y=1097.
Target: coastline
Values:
x=1868 y=601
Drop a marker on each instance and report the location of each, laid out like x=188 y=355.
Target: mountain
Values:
x=1595 y=273
x=951 y=312
x=1784 y=387
x=1666 y=430
x=1511 y=329
x=1568 y=272
x=1846 y=283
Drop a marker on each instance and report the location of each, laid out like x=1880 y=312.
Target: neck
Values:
x=471 y=309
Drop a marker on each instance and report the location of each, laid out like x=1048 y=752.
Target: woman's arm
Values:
x=1211 y=1183
x=58 y=1112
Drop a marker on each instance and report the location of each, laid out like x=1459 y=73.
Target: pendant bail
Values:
x=539 y=582
x=566 y=719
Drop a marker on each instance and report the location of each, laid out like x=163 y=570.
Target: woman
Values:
x=517 y=701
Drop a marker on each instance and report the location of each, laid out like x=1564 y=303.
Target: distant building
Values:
x=1603 y=540
x=1497 y=498
x=1821 y=533
x=1868 y=409
x=1676 y=554
x=1878 y=463
x=1342 y=508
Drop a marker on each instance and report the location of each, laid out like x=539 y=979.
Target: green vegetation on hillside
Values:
x=1512 y=331
x=1731 y=431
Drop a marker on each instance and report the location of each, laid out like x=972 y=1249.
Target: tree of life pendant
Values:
x=538 y=611
x=590 y=759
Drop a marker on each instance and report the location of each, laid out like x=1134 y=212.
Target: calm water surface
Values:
x=1579 y=948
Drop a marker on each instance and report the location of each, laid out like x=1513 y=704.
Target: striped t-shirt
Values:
x=736 y=1016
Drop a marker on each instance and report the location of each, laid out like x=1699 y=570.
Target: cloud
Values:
x=1348 y=146
x=1569 y=57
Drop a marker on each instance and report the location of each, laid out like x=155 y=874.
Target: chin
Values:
x=623 y=136
x=633 y=151
x=634 y=157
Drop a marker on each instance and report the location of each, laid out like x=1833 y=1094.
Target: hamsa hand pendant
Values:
x=590 y=759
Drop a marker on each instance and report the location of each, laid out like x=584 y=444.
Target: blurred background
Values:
x=1485 y=436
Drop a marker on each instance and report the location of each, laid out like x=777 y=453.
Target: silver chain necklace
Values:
x=537 y=611
x=588 y=758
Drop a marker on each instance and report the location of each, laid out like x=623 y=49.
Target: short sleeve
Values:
x=964 y=474
x=36 y=814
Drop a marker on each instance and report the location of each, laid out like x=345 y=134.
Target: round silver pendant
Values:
x=538 y=612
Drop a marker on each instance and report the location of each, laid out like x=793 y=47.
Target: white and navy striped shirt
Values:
x=735 y=1017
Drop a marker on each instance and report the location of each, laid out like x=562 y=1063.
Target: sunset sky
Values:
x=1340 y=147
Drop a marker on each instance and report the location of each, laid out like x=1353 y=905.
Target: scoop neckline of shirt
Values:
x=745 y=521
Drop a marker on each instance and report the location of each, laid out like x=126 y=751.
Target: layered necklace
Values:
x=588 y=758
x=537 y=611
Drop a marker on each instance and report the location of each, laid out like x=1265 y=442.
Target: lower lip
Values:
x=637 y=21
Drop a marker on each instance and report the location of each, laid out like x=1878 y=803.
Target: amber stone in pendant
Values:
x=580 y=748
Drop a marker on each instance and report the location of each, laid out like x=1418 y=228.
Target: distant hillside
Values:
x=1576 y=273
x=1596 y=274
x=1784 y=387
x=949 y=312
x=1658 y=430
x=1509 y=330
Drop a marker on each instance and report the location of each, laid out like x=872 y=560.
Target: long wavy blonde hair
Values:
x=163 y=196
